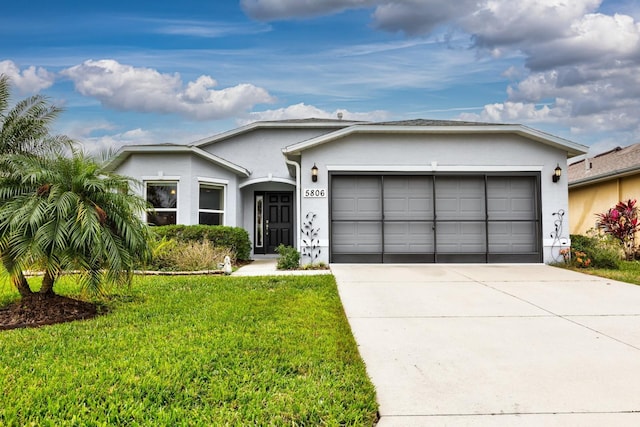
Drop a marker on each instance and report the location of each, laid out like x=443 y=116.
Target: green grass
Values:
x=629 y=272
x=190 y=351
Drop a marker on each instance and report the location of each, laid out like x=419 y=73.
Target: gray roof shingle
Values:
x=426 y=122
x=619 y=161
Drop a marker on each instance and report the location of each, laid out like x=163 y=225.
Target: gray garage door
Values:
x=435 y=218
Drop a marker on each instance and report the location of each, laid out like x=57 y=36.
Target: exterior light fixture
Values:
x=314 y=173
x=557 y=173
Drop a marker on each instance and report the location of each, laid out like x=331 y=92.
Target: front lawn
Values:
x=629 y=272
x=203 y=350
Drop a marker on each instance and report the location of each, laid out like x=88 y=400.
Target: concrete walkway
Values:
x=496 y=345
x=266 y=266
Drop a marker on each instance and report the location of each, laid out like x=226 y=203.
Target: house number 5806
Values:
x=315 y=192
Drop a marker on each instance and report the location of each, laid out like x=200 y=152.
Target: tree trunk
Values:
x=20 y=282
x=47 y=284
x=17 y=278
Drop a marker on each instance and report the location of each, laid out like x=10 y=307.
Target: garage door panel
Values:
x=397 y=208
x=406 y=219
x=356 y=198
x=408 y=198
x=460 y=198
x=511 y=198
x=357 y=237
x=408 y=238
x=461 y=237
x=508 y=237
x=343 y=208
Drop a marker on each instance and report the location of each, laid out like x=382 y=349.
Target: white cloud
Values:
x=128 y=88
x=493 y=22
x=78 y=130
x=303 y=111
x=594 y=38
x=506 y=22
x=415 y=17
x=29 y=80
x=112 y=142
x=205 y=29
x=511 y=112
x=269 y=10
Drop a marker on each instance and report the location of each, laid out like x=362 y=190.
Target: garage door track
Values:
x=502 y=345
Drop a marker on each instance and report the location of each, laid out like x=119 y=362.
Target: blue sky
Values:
x=153 y=72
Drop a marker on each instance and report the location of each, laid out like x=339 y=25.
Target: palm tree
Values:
x=65 y=213
x=24 y=129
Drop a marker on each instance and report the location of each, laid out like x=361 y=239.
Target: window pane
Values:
x=161 y=218
x=162 y=195
x=207 y=218
x=211 y=198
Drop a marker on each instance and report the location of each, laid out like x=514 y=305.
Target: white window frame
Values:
x=218 y=184
x=163 y=181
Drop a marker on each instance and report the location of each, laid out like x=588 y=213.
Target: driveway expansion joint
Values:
x=560 y=316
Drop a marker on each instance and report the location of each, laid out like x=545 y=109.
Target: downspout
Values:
x=298 y=198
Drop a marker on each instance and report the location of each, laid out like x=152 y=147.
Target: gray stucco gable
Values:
x=328 y=124
x=126 y=151
x=440 y=127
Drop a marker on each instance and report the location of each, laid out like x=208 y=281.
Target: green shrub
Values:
x=171 y=255
x=317 y=266
x=602 y=250
x=234 y=238
x=289 y=258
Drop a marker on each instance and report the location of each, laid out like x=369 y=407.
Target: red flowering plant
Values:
x=621 y=222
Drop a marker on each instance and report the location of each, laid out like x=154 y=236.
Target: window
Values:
x=163 y=196
x=211 y=208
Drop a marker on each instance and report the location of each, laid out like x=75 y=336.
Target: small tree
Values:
x=621 y=222
x=66 y=213
x=24 y=129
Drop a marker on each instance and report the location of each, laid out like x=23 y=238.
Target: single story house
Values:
x=598 y=183
x=345 y=191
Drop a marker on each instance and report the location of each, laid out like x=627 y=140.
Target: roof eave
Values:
x=334 y=124
x=125 y=151
x=621 y=173
x=128 y=150
x=572 y=148
x=239 y=170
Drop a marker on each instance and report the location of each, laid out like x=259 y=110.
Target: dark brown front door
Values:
x=277 y=222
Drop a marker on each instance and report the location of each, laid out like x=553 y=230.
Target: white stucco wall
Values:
x=260 y=151
x=188 y=171
x=439 y=153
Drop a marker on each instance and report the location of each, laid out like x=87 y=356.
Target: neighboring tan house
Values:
x=407 y=191
x=598 y=183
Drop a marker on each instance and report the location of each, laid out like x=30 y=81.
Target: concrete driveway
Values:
x=479 y=345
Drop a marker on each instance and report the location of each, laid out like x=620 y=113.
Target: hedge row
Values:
x=235 y=238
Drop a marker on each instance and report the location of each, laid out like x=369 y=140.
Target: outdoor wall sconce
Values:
x=314 y=173
x=557 y=173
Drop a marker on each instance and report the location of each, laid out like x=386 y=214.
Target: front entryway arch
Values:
x=270 y=215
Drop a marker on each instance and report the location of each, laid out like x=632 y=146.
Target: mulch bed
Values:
x=38 y=310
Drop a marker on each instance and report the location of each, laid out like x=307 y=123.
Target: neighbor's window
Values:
x=211 y=208
x=163 y=196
